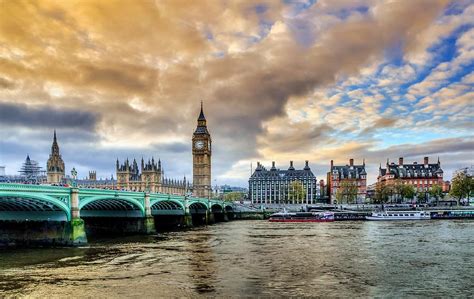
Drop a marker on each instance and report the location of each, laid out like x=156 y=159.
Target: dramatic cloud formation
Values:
x=280 y=80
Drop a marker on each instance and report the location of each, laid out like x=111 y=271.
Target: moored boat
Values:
x=302 y=217
x=399 y=215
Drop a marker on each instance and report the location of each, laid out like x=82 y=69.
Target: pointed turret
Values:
x=55 y=165
x=202 y=123
x=201 y=115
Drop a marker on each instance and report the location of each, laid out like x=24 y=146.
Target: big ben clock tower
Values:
x=202 y=159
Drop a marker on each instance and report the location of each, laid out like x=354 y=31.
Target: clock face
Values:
x=199 y=144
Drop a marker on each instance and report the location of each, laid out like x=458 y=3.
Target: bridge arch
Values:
x=216 y=208
x=197 y=207
x=111 y=206
x=167 y=207
x=22 y=206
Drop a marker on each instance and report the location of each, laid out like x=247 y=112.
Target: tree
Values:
x=382 y=192
x=436 y=191
x=233 y=196
x=346 y=192
x=297 y=193
x=398 y=187
x=461 y=186
x=408 y=191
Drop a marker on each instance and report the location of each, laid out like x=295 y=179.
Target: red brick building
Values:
x=354 y=174
x=421 y=176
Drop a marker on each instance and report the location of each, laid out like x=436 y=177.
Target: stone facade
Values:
x=55 y=169
x=421 y=176
x=354 y=174
x=274 y=186
x=149 y=177
x=202 y=151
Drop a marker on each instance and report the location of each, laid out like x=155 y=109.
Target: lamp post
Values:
x=74 y=176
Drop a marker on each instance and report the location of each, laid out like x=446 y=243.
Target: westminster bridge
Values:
x=65 y=215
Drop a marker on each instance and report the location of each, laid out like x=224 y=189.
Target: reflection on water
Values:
x=257 y=258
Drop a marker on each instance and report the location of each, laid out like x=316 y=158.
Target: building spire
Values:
x=201 y=115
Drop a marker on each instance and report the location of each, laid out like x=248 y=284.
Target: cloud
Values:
x=277 y=79
x=45 y=117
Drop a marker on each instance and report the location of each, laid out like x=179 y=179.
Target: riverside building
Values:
x=350 y=173
x=275 y=186
x=421 y=176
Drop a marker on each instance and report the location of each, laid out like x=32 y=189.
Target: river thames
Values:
x=256 y=258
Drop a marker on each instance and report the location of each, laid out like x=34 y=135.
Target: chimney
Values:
x=351 y=162
x=306 y=163
x=400 y=161
x=273 y=164
x=426 y=160
x=291 y=163
x=332 y=164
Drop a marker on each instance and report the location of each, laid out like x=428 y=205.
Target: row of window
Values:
x=358 y=183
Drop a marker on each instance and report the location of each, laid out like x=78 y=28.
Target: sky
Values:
x=280 y=80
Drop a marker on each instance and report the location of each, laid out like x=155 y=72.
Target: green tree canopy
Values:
x=233 y=196
x=381 y=193
x=297 y=193
x=346 y=192
x=462 y=185
x=408 y=191
x=436 y=191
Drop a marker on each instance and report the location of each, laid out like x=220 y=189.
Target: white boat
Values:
x=399 y=215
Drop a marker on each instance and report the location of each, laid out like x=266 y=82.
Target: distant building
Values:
x=371 y=191
x=421 y=176
x=353 y=174
x=30 y=173
x=276 y=186
x=149 y=177
x=55 y=169
x=94 y=183
x=446 y=186
x=466 y=170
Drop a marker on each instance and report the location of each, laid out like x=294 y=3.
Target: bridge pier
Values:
x=187 y=218
x=149 y=221
x=77 y=231
x=210 y=219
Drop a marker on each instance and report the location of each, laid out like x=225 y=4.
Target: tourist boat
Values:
x=302 y=217
x=399 y=215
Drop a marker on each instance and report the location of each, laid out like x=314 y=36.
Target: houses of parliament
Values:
x=149 y=175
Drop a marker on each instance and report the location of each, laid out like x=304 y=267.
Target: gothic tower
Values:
x=55 y=165
x=202 y=158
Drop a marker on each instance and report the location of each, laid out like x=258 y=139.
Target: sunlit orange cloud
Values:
x=273 y=77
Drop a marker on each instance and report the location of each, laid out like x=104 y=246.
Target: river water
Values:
x=257 y=258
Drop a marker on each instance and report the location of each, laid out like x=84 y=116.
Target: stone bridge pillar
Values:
x=76 y=229
x=226 y=217
x=148 y=220
x=188 y=218
x=210 y=216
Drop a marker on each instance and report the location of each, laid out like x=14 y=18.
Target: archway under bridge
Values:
x=109 y=215
x=168 y=214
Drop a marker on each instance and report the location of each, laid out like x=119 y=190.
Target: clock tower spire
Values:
x=202 y=151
